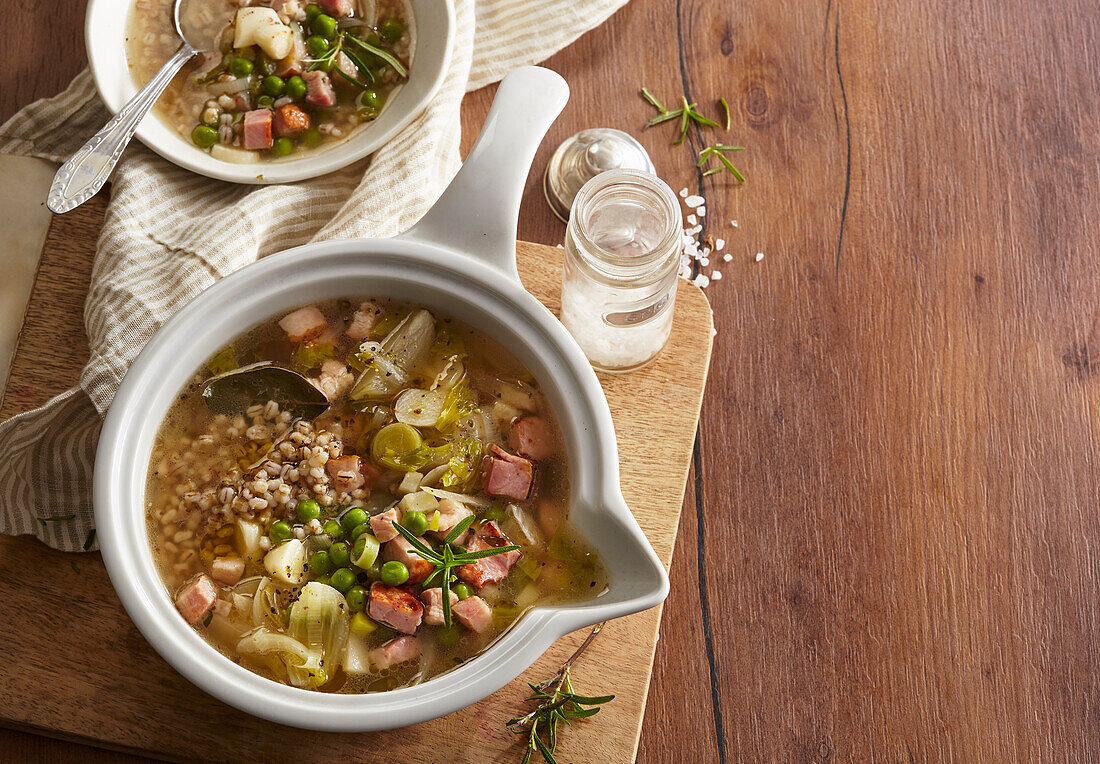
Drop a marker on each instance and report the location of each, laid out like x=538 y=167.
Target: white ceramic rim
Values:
x=432 y=264
x=435 y=28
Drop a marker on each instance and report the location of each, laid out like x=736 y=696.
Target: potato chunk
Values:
x=261 y=26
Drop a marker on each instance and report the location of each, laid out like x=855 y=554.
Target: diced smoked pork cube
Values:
x=227 y=571
x=488 y=570
x=395 y=607
x=474 y=613
x=337 y=8
x=507 y=474
x=366 y=316
x=346 y=472
x=433 y=605
x=382 y=525
x=451 y=513
x=290 y=121
x=395 y=651
x=257 y=129
x=319 y=90
x=303 y=324
x=399 y=549
x=532 y=437
x=196 y=599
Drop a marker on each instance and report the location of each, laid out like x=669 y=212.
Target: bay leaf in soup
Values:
x=233 y=392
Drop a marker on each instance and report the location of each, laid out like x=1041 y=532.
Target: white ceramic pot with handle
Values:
x=460 y=259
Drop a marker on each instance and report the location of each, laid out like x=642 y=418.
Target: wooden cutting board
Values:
x=77 y=668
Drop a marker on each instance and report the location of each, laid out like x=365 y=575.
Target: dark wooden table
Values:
x=891 y=549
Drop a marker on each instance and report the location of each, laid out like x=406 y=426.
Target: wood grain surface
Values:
x=890 y=544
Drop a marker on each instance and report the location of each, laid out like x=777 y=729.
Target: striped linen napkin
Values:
x=168 y=234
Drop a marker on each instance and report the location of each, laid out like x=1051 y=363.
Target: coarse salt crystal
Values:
x=759 y=256
x=700 y=281
x=727 y=257
x=695 y=229
x=734 y=223
x=692 y=220
x=716 y=276
x=704 y=261
x=683 y=192
x=702 y=212
x=694 y=201
x=719 y=244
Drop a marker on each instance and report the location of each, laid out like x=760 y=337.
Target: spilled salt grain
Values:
x=694 y=201
x=702 y=212
x=692 y=220
x=727 y=257
x=704 y=261
x=733 y=223
x=716 y=276
x=700 y=281
x=759 y=256
x=719 y=244
x=695 y=229
x=683 y=192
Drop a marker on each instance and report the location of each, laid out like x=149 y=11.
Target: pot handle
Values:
x=477 y=213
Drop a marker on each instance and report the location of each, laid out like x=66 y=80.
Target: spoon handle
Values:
x=88 y=169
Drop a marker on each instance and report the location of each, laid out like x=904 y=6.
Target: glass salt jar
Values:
x=622 y=255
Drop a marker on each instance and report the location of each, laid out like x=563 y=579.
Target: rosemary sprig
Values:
x=327 y=60
x=558 y=702
x=445 y=560
x=56 y=519
x=89 y=540
x=718 y=152
x=382 y=53
x=653 y=101
x=726 y=108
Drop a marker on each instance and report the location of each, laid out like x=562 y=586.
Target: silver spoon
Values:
x=88 y=169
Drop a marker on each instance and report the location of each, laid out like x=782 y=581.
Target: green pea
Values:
x=493 y=513
x=448 y=636
x=316 y=45
x=204 y=136
x=372 y=99
x=415 y=521
x=394 y=573
x=357 y=598
x=274 y=85
x=296 y=88
x=324 y=25
x=391 y=30
x=265 y=101
x=308 y=510
x=358 y=531
x=333 y=528
x=326 y=580
x=312 y=137
x=282 y=147
x=462 y=591
x=339 y=554
x=312 y=12
x=280 y=531
x=354 y=517
x=342 y=580
x=320 y=563
x=241 y=67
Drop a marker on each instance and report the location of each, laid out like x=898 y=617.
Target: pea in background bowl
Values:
x=105 y=28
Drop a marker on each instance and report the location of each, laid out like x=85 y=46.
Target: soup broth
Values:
x=303 y=521
x=246 y=101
